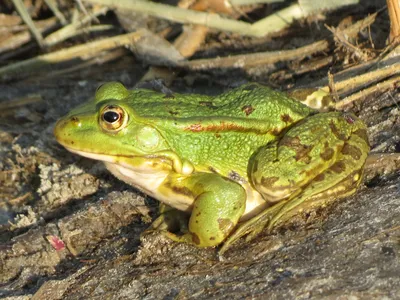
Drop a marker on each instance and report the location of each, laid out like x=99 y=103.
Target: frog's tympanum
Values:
x=233 y=164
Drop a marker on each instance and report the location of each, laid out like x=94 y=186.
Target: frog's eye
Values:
x=113 y=118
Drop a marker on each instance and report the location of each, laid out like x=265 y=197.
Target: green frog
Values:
x=223 y=166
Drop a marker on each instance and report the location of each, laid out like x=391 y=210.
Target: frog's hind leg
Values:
x=278 y=167
x=344 y=177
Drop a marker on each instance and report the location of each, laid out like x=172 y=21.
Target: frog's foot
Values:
x=170 y=221
x=254 y=226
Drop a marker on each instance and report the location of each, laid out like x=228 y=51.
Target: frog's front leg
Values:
x=217 y=207
x=319 y=159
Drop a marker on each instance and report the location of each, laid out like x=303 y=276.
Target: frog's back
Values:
x=248 y=102
x=221 y=132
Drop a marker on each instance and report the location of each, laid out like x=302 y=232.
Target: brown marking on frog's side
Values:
x=72 y=142
x=319 y=177
x=198 y=214
x=227 y=126
x=223 y=126
x=225 y=225
x=173 y=113
x=217 y=135
x=338 y=167
x=212 y=238
x=336 y=132
x=301 y=150
x=351 y=150
x=362 y=133
x=269 y=181
x=248 y=110
x=327 y=154
x=233 y=175
x=286 y=118
x=195 y=238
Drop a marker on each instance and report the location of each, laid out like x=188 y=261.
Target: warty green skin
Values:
x=222 y=159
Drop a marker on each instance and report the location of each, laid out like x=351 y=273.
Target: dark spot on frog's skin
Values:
x=72 y=142
x=212 y=170
x=233 y=175
x=183 y=191
x=327 y=154
x=275 y=132
x=173 y=113
x=225 y=225
x=286 y=118
x=198 y=214
x=338 y=167
x=248 y=110
x=362 y=133
x=195 y=239
x=180 y=190
x=217 y=135
x=250 y=87
x=301 y=150
x=336 y=132
x=74 y=119
x=212 y=238
x=208 y=104
x=351 y=150
x=269 y=181
x=319 y=177
x=255 y=166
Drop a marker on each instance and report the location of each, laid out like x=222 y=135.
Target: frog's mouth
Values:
x=93 y=155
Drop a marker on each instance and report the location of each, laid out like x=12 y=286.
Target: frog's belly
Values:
x=150 y=184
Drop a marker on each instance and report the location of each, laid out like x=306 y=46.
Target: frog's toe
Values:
x=254 y=226
x=255 y=231
x=184 y=238
x=158 y=224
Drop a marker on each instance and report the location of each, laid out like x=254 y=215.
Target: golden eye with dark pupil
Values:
x=111 y=116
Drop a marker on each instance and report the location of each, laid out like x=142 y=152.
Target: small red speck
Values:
x=56 y=242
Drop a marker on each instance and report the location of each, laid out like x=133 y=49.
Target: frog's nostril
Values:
x=75 y=119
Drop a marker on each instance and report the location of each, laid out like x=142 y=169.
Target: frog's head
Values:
x=107 y=128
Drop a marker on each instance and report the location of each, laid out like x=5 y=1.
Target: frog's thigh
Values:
x=284 y=168
x=219 y=204
x=341 y=179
